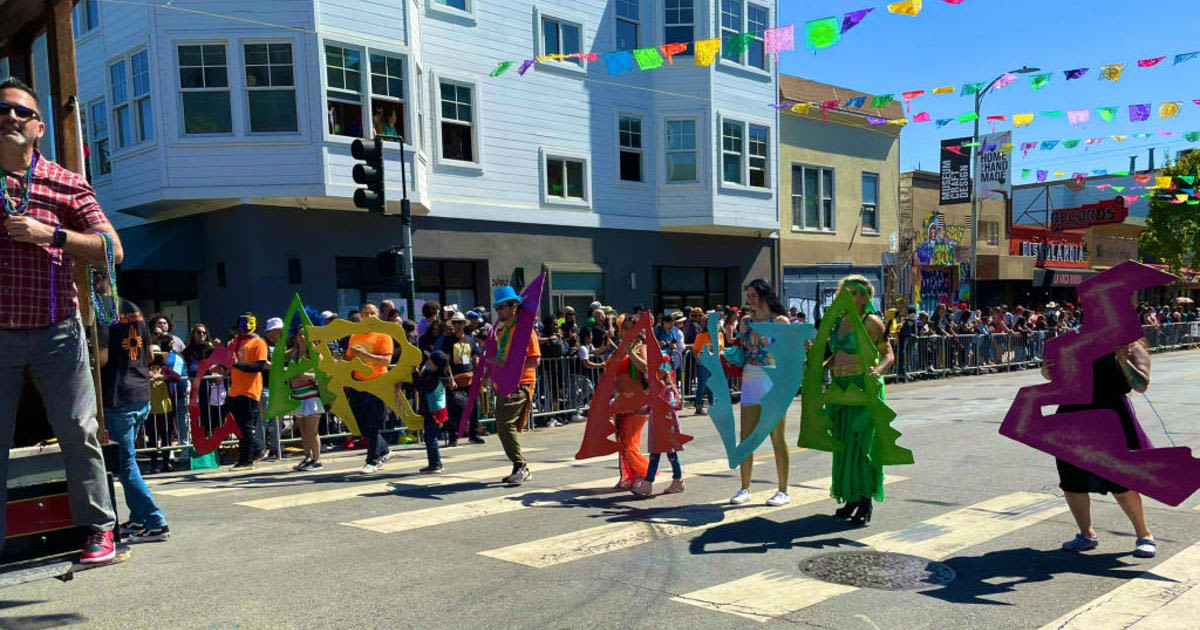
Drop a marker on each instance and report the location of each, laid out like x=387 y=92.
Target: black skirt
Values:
x=1072 y=478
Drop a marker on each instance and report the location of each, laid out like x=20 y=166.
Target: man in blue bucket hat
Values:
x=512 y=411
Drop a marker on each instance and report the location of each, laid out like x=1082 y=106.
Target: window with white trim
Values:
x=270 y=87
x=143 y=111
x=343 y=72
x=629 y=132
x=870 y=202
x=461 y=5
x=566 y=178
x=733 y=145
x=86 y=17
x=118 y=91
x=98 y=137
x=204 y=89
x=679 y=23
x=737 y=17
x=812 y=198
x=682 y=157
x=758 y=152
x=457 y=121
x=756 y=23
x=389 y=100
x=628 y=15
x=561 y=38
x=731 y=25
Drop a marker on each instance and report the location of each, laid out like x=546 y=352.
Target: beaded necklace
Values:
x=104 y=315
x=19 y=210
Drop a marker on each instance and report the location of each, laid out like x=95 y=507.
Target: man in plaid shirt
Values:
x=51 y=220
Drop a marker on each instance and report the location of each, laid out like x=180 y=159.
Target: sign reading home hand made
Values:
x=1110 y=211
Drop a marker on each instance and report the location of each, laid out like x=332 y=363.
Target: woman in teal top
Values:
x=856 y=478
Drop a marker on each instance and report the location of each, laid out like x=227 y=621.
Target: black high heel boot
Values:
x=862 y=515
x=846 y=511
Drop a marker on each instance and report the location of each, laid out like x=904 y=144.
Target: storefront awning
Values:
x=172 y=245
x=1061 y=277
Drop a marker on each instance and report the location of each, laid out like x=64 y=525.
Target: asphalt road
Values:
x=276 y=549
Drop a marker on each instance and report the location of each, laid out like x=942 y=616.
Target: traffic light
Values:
x=370 y=174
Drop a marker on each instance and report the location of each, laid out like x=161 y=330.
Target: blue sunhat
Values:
x=504 y=294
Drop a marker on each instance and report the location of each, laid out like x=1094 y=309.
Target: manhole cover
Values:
x=876 y=569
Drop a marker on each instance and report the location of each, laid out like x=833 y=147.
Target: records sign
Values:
x=955 y=172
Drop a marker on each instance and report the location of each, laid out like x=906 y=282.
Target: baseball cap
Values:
x=595 y=305
x=274 y=324
x=328 y=314
x=472 y=315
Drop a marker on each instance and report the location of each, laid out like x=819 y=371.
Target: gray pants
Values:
x=57 y=358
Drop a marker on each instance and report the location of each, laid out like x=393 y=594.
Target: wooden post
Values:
x=60 y=44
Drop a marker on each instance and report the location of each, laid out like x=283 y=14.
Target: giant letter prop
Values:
x=816 y=427
x=340 y=372
x=787 y=348
x=500 y=365
x=1093 y=440
x=204 y=445
x=283 y=370
x=664 y=436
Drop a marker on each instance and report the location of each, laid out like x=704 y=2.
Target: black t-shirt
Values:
x=126 y=377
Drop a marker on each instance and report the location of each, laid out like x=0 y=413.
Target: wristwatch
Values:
x=59 y=239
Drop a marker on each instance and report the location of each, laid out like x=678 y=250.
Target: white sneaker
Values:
x=779 y=499
x=369 y=469
x=741 y=497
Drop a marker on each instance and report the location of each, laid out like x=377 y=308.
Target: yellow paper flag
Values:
x=1168 y=109
x=944 y=90
x=801 y=108
x=1119 y=138
x=1020 y=120
x=1163 y=182
x=908 y=7
x=1181 y=198
x=1006 y=148
x=1059 y=173
x=898 y=121
x=707 y=51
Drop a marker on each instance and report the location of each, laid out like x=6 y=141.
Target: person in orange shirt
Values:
x=512 y=411
x=375 y=350
x=250 y=361
x=703 y=339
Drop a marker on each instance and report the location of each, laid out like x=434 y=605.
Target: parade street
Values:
x=270 y=548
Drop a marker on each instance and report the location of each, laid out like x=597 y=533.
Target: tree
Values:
x=1173 y=229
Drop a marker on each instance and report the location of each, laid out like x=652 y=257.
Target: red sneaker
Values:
x=99 y=548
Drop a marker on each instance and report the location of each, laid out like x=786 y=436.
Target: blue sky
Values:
x=980 y=39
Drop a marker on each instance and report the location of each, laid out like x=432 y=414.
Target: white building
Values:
x=221 y=132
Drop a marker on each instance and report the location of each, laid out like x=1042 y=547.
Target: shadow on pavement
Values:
x=1011 y=568
x=760 y=535
x=37 y=622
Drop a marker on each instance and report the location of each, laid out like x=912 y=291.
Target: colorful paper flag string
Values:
x=501 y=68
x=648 y=58
x=821 y=34
x=1139 y=112
x=1039 y=81
x=1077 y=73
x=1112 y=72
x=778 y=39
x=907 y=7
x=1107 y=113
x=707 y=51
x=1169 y=109
x=853 y=18
x=1150 y=63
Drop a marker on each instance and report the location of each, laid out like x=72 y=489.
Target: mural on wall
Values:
x=928 y=277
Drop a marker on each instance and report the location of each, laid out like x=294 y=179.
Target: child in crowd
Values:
x=645 y=487
x=162 y=409
x=217 y=392
x=432 y=382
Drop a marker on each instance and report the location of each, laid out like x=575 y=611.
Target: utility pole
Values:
x=373 y=199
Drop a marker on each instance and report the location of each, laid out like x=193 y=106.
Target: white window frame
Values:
x=744 y=154
x=546 y=154
x=665 y=24
x=81 y=9
x=577 y=66
x=115 y=107
x=94 y=140
x=766 y=156
x=180 y=90
x=695 y=120
x=868 y=230
x=619 y=148
x=364 y=90
x=405 y=100
x=443 y=11
x=740 y=153
x=437 y=78
x=248 y=89
x=637 y=23
x=743 y=60
x=821 y=229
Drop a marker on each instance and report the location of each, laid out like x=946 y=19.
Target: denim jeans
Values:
x=370 y=413
x=432 y=431
x=57 y=359
x=652 y=468
x=123 y=424
x=702 y=393
x=245 y=414
x=183 y=423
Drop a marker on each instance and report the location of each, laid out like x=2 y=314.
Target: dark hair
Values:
x=13 y=83
x=163 y=316
x=353 y=312
x=431 y=308
x=768 y=295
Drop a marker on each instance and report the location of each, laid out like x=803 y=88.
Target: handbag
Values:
x=463 y=381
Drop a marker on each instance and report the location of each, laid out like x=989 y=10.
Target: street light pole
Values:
x=975 y=189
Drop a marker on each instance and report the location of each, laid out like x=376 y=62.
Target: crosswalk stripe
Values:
x=585 y=543
x=440 y=515
x=936 y=538
x=358 y=490
x=1164 y=598
x=291 y=480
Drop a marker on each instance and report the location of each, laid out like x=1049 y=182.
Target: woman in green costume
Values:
x=856 y=477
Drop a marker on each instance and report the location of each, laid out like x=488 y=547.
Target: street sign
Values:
x=1110 y=211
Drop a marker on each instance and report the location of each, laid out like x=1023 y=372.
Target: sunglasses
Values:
x=23 y=113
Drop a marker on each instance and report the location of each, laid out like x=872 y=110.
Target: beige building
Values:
x=838 y=190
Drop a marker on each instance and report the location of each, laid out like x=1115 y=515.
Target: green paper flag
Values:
x=1039 y=81
x=822 y=33
x=1025 y=173
x=738 y=44
x=971 y=88
x=1194 y=202
x=1120 y=174
x=1192 y=136
x=648 y=58
x=501 y=68
x=1107 y=113
x=1118 y=188
x=1054 y=113
x=882 y=100
x=1188 y=179
x=1070 y=144
x=970 y=145
x=968 y=117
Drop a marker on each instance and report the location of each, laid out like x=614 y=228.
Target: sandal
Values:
x=1081 y=543
x=1145 y=548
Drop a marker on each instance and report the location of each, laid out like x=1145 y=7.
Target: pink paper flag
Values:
x=1091 y=141
x=997 y=118
x=922 y=117
x=779 y=38
x=1130 y=199
x=1006 y=79
x=1078 y=116
x=909 y=96
x=1150 y=63
x=954 y=148
x=1026 y=147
